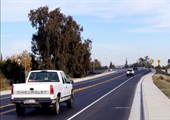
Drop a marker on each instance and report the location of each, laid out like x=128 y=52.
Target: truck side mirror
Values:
x=71 y=81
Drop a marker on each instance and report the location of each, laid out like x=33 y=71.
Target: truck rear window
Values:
x=43 y=77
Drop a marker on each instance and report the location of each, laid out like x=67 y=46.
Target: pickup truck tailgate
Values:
x=32 y=90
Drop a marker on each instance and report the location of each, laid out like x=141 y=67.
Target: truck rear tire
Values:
x=70 y=101
x=20 y=110
x=56 y=107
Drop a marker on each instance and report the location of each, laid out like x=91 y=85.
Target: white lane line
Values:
x=4 y=98
x=99 y=99
x=122 y=107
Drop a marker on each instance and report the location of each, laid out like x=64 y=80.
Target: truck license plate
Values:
x=29 y=101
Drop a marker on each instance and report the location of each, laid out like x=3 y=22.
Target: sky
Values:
x=119 y=29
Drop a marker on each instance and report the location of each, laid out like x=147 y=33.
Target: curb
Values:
x=93 y=76
x=6 y=92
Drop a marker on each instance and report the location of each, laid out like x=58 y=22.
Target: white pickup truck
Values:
x=43 y=88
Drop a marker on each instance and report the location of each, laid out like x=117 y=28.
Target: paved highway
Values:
x=104 y=98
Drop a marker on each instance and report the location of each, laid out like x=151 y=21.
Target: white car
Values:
x=130 y=72
x=43 y=88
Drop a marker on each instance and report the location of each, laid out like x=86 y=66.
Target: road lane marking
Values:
x=84 y=88
x=6 y=105
x=8 y=111
x=4 y=98
x=99 y=99
x=91 y=79
x=122 y=107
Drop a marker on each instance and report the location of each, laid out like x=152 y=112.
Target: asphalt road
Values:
x=108 y=97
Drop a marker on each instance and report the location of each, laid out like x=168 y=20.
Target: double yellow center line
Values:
x=94 y=85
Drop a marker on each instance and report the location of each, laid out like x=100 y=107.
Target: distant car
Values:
x=135 y=68
x=130 y=72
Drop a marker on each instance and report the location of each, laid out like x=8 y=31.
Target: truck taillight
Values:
x=12 y=90
x=51 y=89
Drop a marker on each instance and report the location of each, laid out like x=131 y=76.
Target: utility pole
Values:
x=93 y=66
x=20 y=60
x=25 y=66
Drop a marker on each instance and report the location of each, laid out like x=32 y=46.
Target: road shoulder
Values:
x=149 y=102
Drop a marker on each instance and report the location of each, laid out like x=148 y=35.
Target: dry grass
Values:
x=3 y=84
x=162 y=81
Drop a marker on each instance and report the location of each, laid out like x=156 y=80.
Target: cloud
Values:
x=157 y=28
x=18 y=10
x=13 y=47
x=113 y=52
x=153 y=13
x=6 y=36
